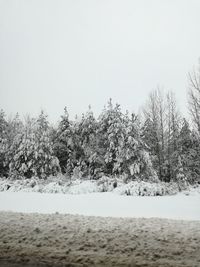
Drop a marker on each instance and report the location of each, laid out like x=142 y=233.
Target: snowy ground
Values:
x=70 y=240
x=180 y=206
x=33 y=232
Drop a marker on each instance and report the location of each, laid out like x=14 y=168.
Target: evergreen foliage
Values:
x=163 y=147
x=189 y=151
x=63 y=142
x=3 y=143
x=31 y=152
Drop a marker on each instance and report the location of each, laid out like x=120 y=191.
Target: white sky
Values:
x=76 y=53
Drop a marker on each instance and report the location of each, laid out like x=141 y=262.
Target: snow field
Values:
x=180 y=207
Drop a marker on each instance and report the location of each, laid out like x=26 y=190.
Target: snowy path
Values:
x=179 y=207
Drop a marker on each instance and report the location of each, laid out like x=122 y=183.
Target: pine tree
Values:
x=77 y=167
x=31 y=151
x=45 y=162
x=15 y=127
x=134 y=157
x=189 y=151
x=194 y=159
x=15 y=135
x=63 y=143
x=88 y=142
x=150 y=138
x=124 y=150
x=23 y=150
x=110 y=133
x=3 y=144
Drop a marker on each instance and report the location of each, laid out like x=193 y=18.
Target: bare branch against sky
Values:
x=74 y=53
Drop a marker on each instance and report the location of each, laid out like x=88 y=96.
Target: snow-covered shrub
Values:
x=147 y=189
x=53 y=187
x=4 y=185
x=83 y=187
x=107 y=184
x=104 y=184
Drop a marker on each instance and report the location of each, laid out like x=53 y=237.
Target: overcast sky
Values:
x=74 y=53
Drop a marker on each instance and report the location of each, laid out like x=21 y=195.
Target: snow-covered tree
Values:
x=15 y=127
x=84 y=160
x=124 y=150
x=89 y=143
x=23 y=151
x=3 y=143
x=134 y=157
x=45 y=161
x=194 y=97
x=160 y=132
x=154 y=130
x=172 y=158
x=189 y=153
x=31 y=150
x=63 y=142
x=150 y=138
x=111 y=137
x=14 y=135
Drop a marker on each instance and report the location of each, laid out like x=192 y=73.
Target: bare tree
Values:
x=161 y=131
x=194 y=96
x=154 y=114
x=172 y=133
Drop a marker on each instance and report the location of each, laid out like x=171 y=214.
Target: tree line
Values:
x=157 y=145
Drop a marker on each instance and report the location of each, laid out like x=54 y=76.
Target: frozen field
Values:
x=72 y=240
x=33 y=232
x=181 y=206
